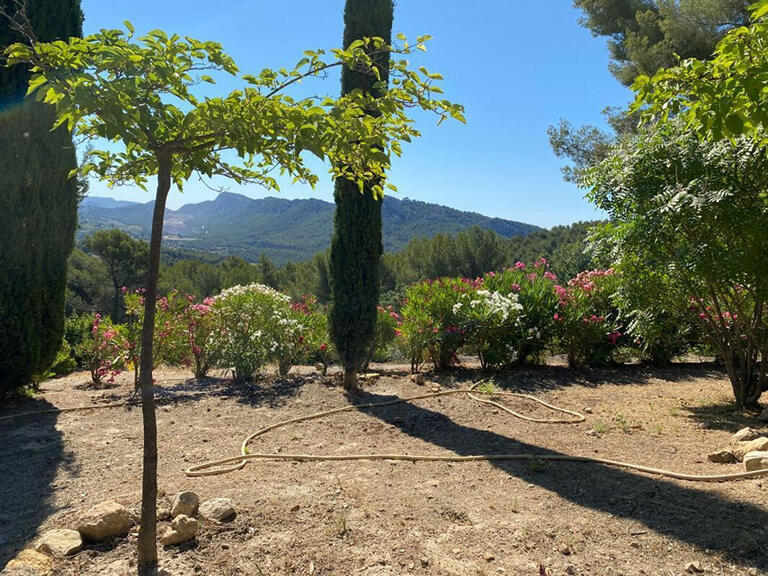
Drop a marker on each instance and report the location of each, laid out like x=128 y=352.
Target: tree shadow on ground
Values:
x=724 y=416
x=267 y=391
x=30 y=455
x=528 y=378
x=680 y=511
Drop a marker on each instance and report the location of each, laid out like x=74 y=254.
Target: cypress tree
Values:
x=356 y=246
x=38 y=213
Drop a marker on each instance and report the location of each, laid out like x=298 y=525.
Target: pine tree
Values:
x=356 y=246
x=39 y=201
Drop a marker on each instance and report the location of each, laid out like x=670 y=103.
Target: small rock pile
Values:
x=746 y=446
x=110 y=519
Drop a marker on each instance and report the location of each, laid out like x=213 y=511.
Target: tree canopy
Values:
x=723 y=97
x=646 y=35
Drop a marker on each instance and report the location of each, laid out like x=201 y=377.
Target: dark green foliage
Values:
x=356 y=246
x=191 y=276
x=39 y=210
x=88 y=285
x=38 y=220
x=125 y=259
x=51 y=20
x=645 y=35
x=474 y=252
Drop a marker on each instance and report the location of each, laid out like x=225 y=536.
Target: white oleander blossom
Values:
x=495 y=304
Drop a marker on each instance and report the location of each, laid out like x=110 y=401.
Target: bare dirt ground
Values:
x=387 y=518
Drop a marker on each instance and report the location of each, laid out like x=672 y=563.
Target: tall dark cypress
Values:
x=356 y=246
x=38 y=207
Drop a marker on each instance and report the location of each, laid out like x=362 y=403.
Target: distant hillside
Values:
x=283 y=229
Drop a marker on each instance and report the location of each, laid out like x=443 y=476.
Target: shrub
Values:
x=317 y=341
x=170 y=343
x=65 y=362
x=491 y=325
x=534 y=285
x=432 y=322
x=254 y=324
x=103 y=351
x=586 y=323
x=201 y=354
x=387 y=328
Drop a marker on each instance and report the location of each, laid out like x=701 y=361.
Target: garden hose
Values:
x=230 y=464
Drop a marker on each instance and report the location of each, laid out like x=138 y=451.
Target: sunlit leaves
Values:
x=724 y=97
x=143 y=94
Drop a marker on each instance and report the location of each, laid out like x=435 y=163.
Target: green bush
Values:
x=587 y=328
x=255 y=324
x=534 y=286
x=103 y=350
x=432 y=321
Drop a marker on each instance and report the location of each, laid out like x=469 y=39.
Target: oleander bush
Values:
x=587 y=326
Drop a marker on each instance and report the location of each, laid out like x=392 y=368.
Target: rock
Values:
x=369 y=377
x=763 y=415
x=756 y=461
x=218 y=509
x=182 y=529
x=60 y=542
x=740 y=449
x=419 y=379
x=103 y=521
x=21 y=571
x=745 y=435
x=185 y=503
x=587 y=410
x=693 y=568
x=723 y=456
x=591 y=432
x=29 y=563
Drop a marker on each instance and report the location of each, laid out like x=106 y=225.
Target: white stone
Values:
x=105 y=520
x=757 y=445
x=756 y=461
x=218 y=509
x=745 y=435
x=29 y=563
x=60 y=542
x=185 y=503
x=182 y=529
x=724 y=456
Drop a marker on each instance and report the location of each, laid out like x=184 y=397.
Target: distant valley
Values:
x=285 y=230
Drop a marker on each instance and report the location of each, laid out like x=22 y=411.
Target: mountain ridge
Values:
x=283 y=229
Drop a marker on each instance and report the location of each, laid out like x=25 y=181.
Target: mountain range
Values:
x=283 y=229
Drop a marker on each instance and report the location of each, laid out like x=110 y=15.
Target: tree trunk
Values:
x=351 y=383
x=147 y=545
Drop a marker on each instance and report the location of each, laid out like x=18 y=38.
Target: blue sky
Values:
x=517 y=66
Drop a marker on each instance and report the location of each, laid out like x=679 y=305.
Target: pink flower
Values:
x=519 y=265
x=515 y=288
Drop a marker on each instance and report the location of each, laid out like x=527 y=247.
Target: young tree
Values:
x=692 y=214
x=39 y=206
x=142 y=94
x=356 y=246
x=125 y=259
